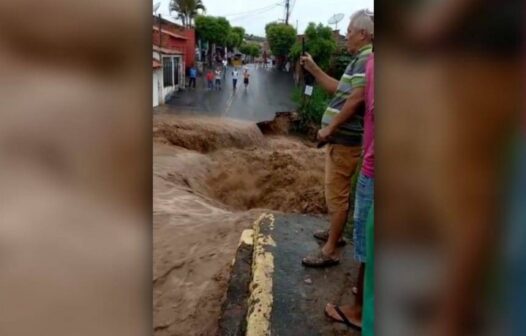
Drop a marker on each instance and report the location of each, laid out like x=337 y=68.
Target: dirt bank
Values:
x=210 y=178
x=206 y=134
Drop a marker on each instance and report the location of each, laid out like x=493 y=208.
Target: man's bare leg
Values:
x=352 y=313
x=338 y=221
x=359 y=295
x=355 y=312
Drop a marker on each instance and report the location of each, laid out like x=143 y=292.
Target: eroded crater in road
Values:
x=241 y=168
x=210 y=178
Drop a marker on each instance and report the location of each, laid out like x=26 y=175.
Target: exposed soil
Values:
x=282 y=123
x=212 y=178
x=206 y=134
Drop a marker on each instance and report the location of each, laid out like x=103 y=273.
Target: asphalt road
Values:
x=301 y=293
x=269 y=92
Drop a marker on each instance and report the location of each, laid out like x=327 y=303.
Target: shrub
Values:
x=310 y=109
x=339 y=62
x=319 y=42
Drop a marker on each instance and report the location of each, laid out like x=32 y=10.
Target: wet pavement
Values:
x=268 y=92
x=300 y=293
x=287 y=298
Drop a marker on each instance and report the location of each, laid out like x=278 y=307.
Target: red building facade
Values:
x=175 y=37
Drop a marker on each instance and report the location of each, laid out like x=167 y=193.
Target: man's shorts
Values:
x=341 y=163
x=362 y=205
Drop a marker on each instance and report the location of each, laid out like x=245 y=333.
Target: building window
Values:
x=167 y=72
x=176 y=70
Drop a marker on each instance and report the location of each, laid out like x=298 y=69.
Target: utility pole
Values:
x=287 y=7
x=160 y=36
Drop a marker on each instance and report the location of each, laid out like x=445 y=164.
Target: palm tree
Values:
x=187 y=10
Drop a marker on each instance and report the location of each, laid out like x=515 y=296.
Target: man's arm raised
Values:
x=327 y=82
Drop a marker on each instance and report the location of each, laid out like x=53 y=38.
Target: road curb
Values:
x=260 y=299
x=235 y=307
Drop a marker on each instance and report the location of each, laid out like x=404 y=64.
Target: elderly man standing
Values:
x=363 y=225
x=343 y=129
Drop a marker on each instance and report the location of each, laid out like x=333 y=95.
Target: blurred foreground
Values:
x=76 y=168
x=449 y=100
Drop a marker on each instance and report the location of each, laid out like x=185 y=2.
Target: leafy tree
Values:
x=255 y=50
x=212 y=29
x=339 y=62
x=240 y=31
x=233 y=40
x=235 y=37
x=224 y=29
x=280 y=37
x=269 y=26
x=245 y=49
x=319 y=42
x=250 y=49
x=187 y=10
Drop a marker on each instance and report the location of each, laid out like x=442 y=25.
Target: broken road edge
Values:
x=247 y=308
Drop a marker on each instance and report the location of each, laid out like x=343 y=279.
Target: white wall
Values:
x=157 y=86
x=167 y=91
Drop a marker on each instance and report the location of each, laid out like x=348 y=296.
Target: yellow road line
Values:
x=247 y=237
x=229 y=103
x=260 y=300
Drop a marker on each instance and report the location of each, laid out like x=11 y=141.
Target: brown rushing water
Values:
x=212 y=178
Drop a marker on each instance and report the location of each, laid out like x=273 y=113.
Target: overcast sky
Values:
x=254 y=15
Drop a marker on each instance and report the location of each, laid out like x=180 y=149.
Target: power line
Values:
x=292 y=7
x=287 y=7
x=252 y=10
x=254 y=14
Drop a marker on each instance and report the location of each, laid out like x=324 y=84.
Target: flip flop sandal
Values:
x=319 y=259
x=344 y=318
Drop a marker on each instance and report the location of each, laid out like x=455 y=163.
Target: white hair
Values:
x=363 y=19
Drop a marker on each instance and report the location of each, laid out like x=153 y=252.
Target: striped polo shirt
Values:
x=350 y=133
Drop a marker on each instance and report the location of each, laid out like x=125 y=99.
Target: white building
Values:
x=168 y=73
x=157 y=82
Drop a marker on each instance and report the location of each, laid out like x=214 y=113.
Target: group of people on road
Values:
x=214 y=78
x=348 y=131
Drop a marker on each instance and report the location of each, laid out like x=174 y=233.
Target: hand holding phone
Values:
x=308 y=65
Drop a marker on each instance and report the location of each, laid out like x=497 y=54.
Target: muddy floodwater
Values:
x=212 y=178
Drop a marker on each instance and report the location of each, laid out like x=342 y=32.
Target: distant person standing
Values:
x=246 y=77
x=210 y=79
x=193 y=77
x=287 y=67
x=218 y=79
x=225 y=64
x=235 y=75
